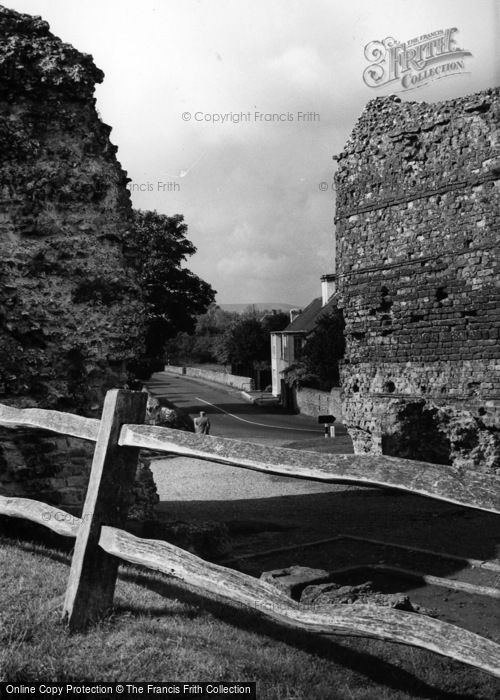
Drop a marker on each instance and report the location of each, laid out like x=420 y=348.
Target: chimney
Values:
x=328 y=287
x=294 y=313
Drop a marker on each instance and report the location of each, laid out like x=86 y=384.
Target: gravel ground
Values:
x=187 y=479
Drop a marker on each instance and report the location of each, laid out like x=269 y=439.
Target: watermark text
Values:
x=158 y=186
x=416 y=62
x=250 y=116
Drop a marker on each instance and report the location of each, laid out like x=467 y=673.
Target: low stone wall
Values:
x=211 y=375
x=175 y=369
x=312 y=402
x=55 y=469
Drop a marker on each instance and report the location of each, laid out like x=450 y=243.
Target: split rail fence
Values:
x=101 y=542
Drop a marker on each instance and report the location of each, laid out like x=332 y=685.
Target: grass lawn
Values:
x=161 y=631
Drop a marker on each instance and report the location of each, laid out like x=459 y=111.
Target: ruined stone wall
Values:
x=314 y=402
x=70 y=308
x=418 y=216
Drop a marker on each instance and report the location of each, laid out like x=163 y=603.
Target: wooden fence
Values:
x=101 y=543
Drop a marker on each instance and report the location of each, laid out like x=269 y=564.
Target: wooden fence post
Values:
x=92 y=577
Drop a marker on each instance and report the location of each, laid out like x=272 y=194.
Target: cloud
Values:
x=301 y=66
x=250 y=196
x=251 y=264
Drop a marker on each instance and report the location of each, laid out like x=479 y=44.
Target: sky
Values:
x=190 y=91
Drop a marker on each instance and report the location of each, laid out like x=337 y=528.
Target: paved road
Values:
x=264 y=512
x=232 y=416
x=192 y=488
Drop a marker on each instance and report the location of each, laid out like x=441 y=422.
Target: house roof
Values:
x=305 y=321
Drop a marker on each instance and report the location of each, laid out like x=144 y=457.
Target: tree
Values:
x=244 y=344
x=275 y=322
x=202 y=345
x=173 y=295
x=214 y=322
x=229 y=338
x=323 y=348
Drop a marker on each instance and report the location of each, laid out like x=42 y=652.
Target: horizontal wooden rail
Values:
x=365 y=621
x=352 y=620
x=442 y=482
x=468 y=488
x=56 y=421
x=98 y=534
x=55 y=519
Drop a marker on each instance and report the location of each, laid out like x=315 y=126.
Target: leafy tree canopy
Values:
x=245 y=343
x=241 y=341
x=204 y=344
x=215 y=321
x=173 y=295
x=276 y=321
x=324 y=347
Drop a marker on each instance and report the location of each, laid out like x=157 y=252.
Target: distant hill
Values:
x=263 y=306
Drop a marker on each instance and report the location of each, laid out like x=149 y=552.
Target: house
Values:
x=286 y=345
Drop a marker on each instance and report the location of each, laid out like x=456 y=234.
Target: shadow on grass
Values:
x=31 y=536
x=372 y=513
x=360 y=660
x=361 y=655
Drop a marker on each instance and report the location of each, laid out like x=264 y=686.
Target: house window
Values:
x=297 y=347
x=278 y=350
x=284 y=347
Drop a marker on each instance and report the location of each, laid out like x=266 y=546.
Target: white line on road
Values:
x=262 y=425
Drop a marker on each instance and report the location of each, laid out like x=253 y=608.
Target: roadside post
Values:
x=328 y=421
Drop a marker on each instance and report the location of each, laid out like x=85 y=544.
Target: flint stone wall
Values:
x=418 y=216
x=70 y=308
x=313 y=402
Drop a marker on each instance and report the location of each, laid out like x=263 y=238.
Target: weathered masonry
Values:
x=70 y=308
x=418 y=218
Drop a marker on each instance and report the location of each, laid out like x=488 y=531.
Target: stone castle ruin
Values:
x=418 y=218
x=417 y=279
x=70 y=308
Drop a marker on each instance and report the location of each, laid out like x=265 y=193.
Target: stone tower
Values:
x=418 y=220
